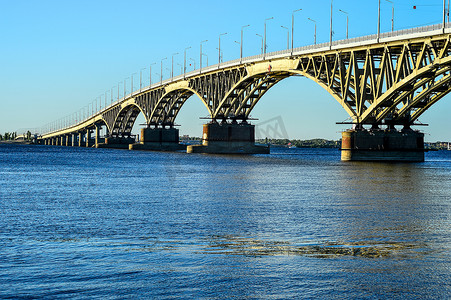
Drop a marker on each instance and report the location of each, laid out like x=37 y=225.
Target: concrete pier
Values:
x=226 y=138
x=115 y=142
x=90 y=142
x=158 y=139
x=80 y=139
x=379 y=145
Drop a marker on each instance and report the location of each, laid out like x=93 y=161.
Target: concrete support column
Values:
x=63 y=140
x=89 y=141
x=88 y=137
x=68 y=140
x=97 y=135
x=380 y=145
x=73 y=139
x=228 y=138
x=161 y=139
x=80 y=139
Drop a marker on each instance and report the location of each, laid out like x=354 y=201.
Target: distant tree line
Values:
x=313 y=143
x=11 y=136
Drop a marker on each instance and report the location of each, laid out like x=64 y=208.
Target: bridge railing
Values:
x=62 y=125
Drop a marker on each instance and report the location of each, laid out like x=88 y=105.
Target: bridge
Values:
x=382 y=81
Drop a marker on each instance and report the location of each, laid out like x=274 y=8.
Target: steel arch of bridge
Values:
x=388 y=81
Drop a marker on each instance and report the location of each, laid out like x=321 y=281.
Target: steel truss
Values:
x=381 y=83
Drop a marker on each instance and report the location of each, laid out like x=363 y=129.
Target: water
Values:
x=298 y=223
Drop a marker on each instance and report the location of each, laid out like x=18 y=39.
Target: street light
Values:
x=264 y=43
x=288 y=36
x=125 y=88
x=118 y=84
x=241 y=43
x=448 y=19
x=141 y=79
x=444 y=15
x=131 y=84
x=347 y=21
x=203 y=54
x=292 y=29
x=200 y=58
x=184 y=62
x=181 y=68
x=219 y=49
x=393 y=13
x=161 y=70
x=314 y=36
x=379 y=20
x=112 y=94
x=221 y=57
x=172 y=68
x=262 y=40
x=150 y=74
x=330 y=41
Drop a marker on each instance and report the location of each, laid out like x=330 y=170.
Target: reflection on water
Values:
x=252 y=247
x=297 y=223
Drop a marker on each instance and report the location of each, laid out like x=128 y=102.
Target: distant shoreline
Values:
x=17 y=142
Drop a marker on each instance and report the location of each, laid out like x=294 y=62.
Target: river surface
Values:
x=298 y=223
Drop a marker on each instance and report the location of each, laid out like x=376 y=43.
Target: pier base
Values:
x=158 y=139
x=228 y=138
x=116 y=142
x=378 y=145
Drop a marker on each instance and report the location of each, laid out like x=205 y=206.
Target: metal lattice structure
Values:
x=390 y=80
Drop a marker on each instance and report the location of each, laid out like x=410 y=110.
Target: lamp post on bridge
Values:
x=131 y=84
x=112 y=94
x=184 y=62
x=161 y=70
x=347 y=21
x=141 y=79
x=200 y=58
x=292 y=29
x=125 y=87
x=392 y=14
x=194 y=62
x=264 y=43
x=330 y=40
x=378 y=20
x=118 y=85
x=444 y=15
x=221 y=57
x=241 y=43
x=172 y=68
x=150 y=73
x=219 y=49
x=314 y=36
x=238 y=44
x=262 y=40
x=203 y=54
x=288 y=36
x=181 y=68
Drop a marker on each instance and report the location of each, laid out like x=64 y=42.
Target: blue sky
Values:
x=58 y=56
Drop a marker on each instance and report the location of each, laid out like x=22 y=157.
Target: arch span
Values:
x=125 y=119
x=169 y=105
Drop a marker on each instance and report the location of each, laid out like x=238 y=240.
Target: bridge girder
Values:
x=393 y=82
